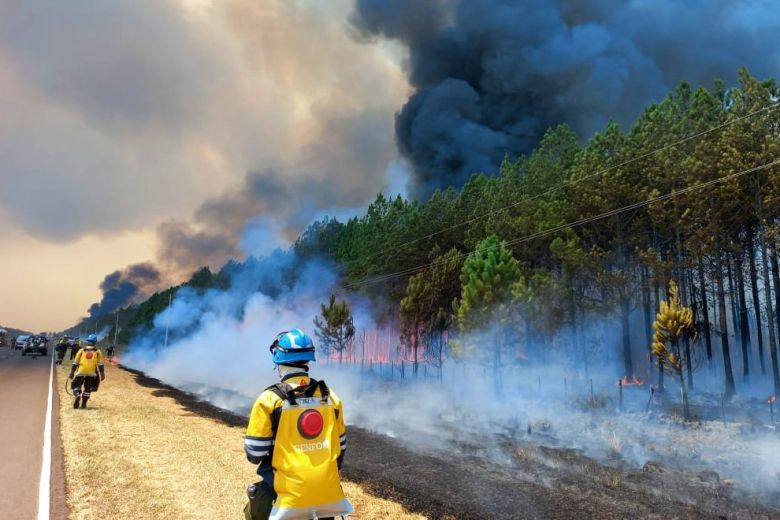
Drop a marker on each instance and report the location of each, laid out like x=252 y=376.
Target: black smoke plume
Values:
x=124 y=287
x=492 y=75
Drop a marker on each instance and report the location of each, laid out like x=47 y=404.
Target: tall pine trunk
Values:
x=416 y=347
x=705 y=311
x=625 y=306
x=647 y=307
x=657 y=291
x=683 y=281
x=770 y=318
x=733 y=301
x=776 y=283
x=683 y=390
x=744 y=326
x=625 y=309
x=730 y=387
x=695 y=309
x=441 y=355
x=756 y=299
x=688 y=362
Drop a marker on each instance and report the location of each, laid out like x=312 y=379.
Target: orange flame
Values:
x=634 y=381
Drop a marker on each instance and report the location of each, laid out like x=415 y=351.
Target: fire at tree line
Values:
x=692 y=279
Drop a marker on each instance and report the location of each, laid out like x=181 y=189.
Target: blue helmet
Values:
x=292 y=348
x=92 y=339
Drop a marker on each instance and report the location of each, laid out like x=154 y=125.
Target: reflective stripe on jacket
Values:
x=299 y=446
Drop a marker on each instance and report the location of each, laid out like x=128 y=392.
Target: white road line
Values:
x=44 y=487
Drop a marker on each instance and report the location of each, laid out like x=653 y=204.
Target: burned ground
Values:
x=513 y=475
x=538 y=482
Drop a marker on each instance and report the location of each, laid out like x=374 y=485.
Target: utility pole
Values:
x=116 y=327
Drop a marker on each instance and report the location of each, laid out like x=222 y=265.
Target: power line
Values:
x=569 y=225
x=569 y=183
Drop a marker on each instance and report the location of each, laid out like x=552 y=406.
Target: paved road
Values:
x=23 y=398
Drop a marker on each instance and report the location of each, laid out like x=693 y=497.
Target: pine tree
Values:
x=489 y=278
x=336 y=329
x=673 y=325
x=415 y=313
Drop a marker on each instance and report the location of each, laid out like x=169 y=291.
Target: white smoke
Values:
x=217 y=348
x=230 y=333
x=103 y=332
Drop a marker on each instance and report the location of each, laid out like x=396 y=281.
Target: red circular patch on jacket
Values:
x=89 y=355
x=310 y=424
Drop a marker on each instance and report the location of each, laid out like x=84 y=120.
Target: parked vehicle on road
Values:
x=35 y=345
x=20 y=340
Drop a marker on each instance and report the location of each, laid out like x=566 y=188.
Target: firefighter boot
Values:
x=84 y=401
x=76 y=402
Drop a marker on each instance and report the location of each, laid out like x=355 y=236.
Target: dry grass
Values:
x=134 y=455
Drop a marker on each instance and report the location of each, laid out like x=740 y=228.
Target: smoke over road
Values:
x=491 y=76
x=265 y=294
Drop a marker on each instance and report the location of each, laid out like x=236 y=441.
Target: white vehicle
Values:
x=20 y=342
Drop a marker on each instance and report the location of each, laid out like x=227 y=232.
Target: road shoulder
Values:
x=59 y=488
x=138 y=453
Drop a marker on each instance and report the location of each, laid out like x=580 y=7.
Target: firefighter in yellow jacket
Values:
x=297 y=436
x=85 y=367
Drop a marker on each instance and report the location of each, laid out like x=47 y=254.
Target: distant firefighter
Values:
x=61 y=348
x=75 y=345
x=86 y=366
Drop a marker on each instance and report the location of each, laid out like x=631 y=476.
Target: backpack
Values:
x=305 y=453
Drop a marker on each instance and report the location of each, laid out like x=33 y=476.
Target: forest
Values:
x=540 y=259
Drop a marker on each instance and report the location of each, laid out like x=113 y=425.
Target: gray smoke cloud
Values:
x=102 y=104
x=334 y=175
x=492 y=75
x=126 y=286
x=136 y=113
x=145 y=118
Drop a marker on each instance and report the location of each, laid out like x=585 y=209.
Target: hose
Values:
x=67 y=387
